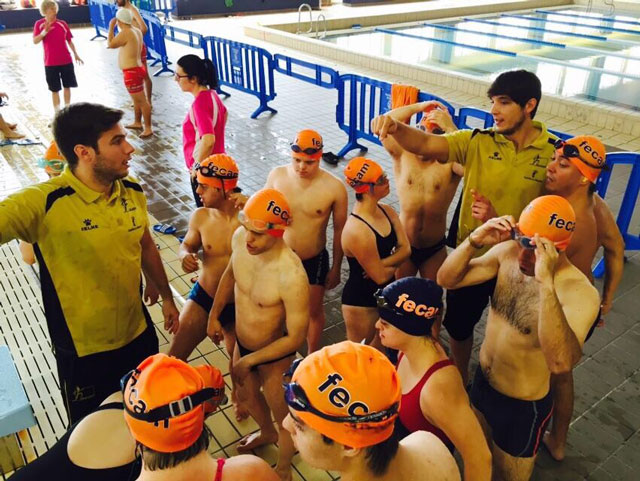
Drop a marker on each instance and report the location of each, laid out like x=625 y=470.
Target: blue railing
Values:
x=101 y=13
x=244 y=67
x=469 y=112
x=154 y=39
x=632 y=241
x=315 y=74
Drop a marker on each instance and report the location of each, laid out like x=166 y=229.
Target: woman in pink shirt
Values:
x=58 y=66
x=203 y=127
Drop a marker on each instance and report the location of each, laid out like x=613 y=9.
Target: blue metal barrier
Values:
x=561 y=135
x=466 y=112
x=366 y=99
x=155 y=42
x=319 y=72
x=243 y=67
x=101 y=13
x=164 y=6
x=185 y=37
x=632 y=241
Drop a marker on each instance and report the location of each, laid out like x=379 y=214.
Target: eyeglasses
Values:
x=178 y=76
x=522 y=240
x=167 y=411
x=297 y=399
x=309 y=150
x=259 y=224
x=55 y=164
x=570 y=150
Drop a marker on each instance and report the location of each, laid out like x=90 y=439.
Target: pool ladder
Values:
x=312 y=25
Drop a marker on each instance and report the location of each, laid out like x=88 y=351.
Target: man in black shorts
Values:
x=314 y=195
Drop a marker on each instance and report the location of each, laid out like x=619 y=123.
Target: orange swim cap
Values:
x=427 y=125
x=307 y=146
x=164 y=402
x=586 y=152
x=348 y=380
x=212 y=378
x=267 y=210
x=53 y=162
x=362 y=174
x=218 y=170
x=551 y=217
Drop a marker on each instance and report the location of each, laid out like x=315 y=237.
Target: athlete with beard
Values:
x=504 y=166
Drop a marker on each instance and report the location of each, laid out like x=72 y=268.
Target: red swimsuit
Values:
x=411 y=415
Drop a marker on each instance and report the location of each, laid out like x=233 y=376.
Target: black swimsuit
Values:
x=359 y=290
x=56 y=464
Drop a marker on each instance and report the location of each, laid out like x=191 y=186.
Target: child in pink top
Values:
x=204 y=124
x=58 y=65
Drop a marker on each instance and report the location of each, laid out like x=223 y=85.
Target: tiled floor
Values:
x=604 y=438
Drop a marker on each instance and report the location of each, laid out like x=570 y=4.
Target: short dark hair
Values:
x=520 y=86
x=359 y=197
x=156 y=461
x=592 y=188
x=202 y=69
x=379 y=456
x=82 y=123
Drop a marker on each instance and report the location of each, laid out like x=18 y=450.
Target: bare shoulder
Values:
x=290 y=267
x=279 y=171
x=391 y=212
x=574 y=289
x=602 y=212
x=430 y=455
x=246 y=466
x=238 y=238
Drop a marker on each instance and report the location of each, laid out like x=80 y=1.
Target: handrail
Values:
x=324 y=25
x=302 y=7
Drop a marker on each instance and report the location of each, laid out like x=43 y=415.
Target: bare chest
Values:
x=516 y=299
x=312 y=201
x=416 y=177
x=216 y=237
x=256 y=282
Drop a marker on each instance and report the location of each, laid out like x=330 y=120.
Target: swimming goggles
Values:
x=55 y=164
x=259 y=224
x=167 y=411
x=297 y=399
x=309 y=150
x=383 y=303
x=524 y=241
x=570 y=150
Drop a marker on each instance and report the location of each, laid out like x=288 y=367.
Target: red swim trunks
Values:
x=134 y=79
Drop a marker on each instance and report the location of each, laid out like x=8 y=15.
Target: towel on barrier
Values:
x=402 y=95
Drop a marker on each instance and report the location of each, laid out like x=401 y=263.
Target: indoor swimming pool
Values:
x=577 y=54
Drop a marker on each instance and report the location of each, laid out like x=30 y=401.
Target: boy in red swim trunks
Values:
x=129 y=41
x=148 y=86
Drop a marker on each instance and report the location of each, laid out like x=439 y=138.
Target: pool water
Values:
x=575 y=53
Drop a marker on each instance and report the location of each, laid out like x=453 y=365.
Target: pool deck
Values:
x=604 y=438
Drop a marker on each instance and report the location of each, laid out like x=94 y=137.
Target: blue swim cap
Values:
x=411 y=304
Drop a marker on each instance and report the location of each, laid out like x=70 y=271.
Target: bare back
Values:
x=129 y=53
x=259 y=284
x=511 y=356
x=586 y=238
x=216 y=231
x=311 y=202
x=425 y=189
x=422 y=457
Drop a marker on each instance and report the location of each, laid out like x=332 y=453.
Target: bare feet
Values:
x=13 y=135
x=146 y=133
x=555 y=449
x=134 y=126
x=255 y=440
x=239 y=410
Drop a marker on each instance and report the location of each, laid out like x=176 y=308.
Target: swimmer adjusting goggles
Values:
x=570 y=150
x=297 y=399
x=167 y=411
